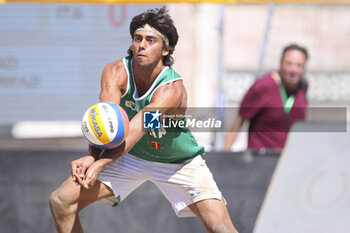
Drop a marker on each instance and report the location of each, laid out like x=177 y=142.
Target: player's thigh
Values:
x=69 y=193
x=212 y=212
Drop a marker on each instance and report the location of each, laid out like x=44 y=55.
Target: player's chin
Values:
x=145 y=64
x=141 y=62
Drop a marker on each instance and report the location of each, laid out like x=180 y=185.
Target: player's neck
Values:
x=145 y=75
x=149 y=71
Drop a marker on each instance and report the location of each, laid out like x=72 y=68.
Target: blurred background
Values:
x=51 y=57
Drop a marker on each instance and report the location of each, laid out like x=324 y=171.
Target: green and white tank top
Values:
x=161 y=145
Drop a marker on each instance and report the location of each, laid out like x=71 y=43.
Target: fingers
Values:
x=89 y=179
x=80 y=179
x=91 y=176
x=85 y=184
x=74 y=168
x=81 y=171
x=78 y=172
x=84 y=173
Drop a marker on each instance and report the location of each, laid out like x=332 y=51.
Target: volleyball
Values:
x=105 y=125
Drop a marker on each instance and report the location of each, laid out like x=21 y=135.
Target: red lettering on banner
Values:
x=122 y=18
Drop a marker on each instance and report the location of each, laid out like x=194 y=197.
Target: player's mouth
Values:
x=140 y=55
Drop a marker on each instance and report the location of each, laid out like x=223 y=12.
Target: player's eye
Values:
x=137 y=38
x=151 y=40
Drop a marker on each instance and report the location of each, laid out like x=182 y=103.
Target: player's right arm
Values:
x=113 y=82
x=113 y=85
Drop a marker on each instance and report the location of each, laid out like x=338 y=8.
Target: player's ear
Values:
x=165 y=52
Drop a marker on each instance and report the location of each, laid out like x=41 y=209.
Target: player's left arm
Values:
x=168 y=97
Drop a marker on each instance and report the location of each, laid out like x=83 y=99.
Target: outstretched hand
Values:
x=79 y=167
x=85 y=170
x=91 y=175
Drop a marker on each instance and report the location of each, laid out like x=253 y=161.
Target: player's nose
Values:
x=143 y=44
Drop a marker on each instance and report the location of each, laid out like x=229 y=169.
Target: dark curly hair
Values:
x=160 y=20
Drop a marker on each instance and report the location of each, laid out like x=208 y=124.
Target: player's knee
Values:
x=59 y=206
x=55 y=201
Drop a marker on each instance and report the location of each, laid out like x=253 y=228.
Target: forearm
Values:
x=109 y=156
x=230 y=139
x=134 y=135
x=232 y=135
x=94 y=152
x=104 y=157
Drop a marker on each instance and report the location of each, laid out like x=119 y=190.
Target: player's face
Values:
x=147 y=48
x=292 y=68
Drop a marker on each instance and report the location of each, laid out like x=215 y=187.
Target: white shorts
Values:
x=182 y=184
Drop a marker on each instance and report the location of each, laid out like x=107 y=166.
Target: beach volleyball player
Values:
x=171 y=160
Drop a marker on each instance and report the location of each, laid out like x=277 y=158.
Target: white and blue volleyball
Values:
x=105 y=125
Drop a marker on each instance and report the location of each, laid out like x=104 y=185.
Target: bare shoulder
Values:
x=114 y=82
x=172 y=94
x=175 y=89
x=114 y=69
x=114 y=74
